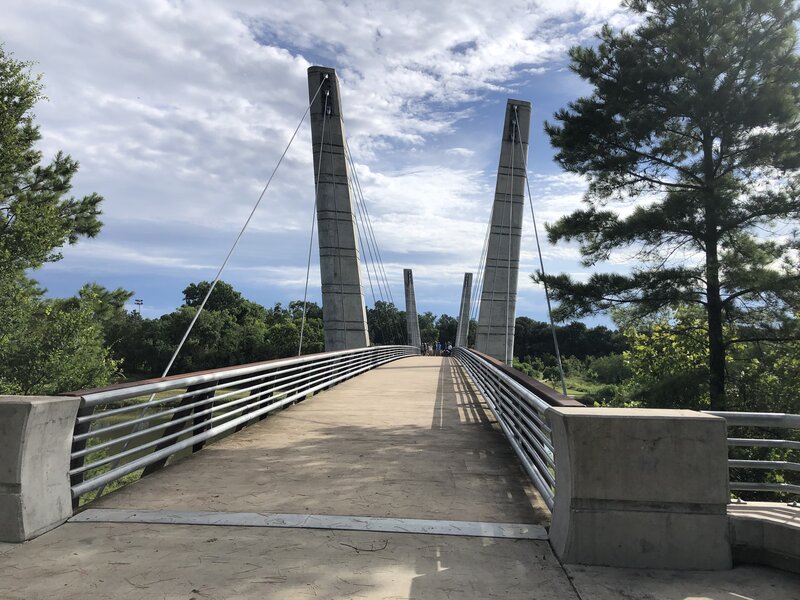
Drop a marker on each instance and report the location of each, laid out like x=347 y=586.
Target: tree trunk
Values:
x=716 y=343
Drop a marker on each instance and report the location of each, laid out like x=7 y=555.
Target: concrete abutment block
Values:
x=35 y=441
x=640 y=488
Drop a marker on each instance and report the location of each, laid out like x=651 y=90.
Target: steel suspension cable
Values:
x=478 y=288
x=510 y=226
x=541 y=266
x=328 y=115
x=313 y=225
x=372 y=241
x=360 y=220
x=241 y=232
x=228 y=256
x=363 y=234
x=361 y=227
x=369 y=224
x=508 y=194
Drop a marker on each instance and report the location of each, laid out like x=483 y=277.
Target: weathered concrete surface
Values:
x=640 y=488
x=766 y=533
x=498 y=301
x=77 y=562
x=741 y=583
x=462 y=333
x=414 y=416
x=35 y=439
x=344 y=313
x=409 y=439
x=412 y=320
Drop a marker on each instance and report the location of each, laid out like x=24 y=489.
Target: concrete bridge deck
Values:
x=410 y=440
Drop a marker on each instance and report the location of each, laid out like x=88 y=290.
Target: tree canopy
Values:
x=37 y=216
x=693 y=120
x=46 y=346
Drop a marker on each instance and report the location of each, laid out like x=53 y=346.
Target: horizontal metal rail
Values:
x=122 y=429
x=520 y=412
x=762 y=421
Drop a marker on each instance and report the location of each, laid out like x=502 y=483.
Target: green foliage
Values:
x=36 y=215
x=669 y=364
x=696 y=111
x=46 y=346
x=387 y=324
x=447 y=327
x=231 y=330
x=472 y=333
x=427 y=327
x=608 y=369
x=49 y=347
x=534 y=338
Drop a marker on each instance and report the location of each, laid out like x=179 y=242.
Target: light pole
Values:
x=138 y=302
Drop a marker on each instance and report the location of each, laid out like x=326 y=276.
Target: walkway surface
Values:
x=409 y=441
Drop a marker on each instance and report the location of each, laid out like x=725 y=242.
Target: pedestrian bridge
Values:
x=369 y=471
x=391 y=475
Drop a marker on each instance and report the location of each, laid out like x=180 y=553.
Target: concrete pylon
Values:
x=499 y=296
x=412 y=320
x=343 y=310
x=462 y=334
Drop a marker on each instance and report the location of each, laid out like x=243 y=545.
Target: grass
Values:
x=577 y=386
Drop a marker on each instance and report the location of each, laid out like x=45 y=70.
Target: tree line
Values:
x=689 y=138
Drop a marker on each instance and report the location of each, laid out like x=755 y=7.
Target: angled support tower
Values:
x=412 y=321
x=462 y=334
x=499 y=296
x=343 y=310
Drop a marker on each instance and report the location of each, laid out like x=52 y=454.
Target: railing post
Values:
x=641 y=488
x=77 y=446
x=203 y=418
x=176 y=427
x=35 y=440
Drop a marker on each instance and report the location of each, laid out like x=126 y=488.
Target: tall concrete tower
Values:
x=412 y=320
x=463 y=316
x=344 y=313
x=499 y=296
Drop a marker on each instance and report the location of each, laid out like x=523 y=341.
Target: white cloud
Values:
x=465 y=152
x=178 y=112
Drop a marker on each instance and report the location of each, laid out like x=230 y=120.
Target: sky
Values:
x=178 y=111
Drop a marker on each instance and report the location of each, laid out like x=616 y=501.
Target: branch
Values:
x=793 y=338
x=681 y=186
x=658 y=160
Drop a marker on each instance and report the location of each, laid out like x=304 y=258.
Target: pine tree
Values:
x=36 y=215
x=693 y=123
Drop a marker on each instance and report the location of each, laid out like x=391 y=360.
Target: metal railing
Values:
x=769 y=421
x=129 y=427
x=519 y=404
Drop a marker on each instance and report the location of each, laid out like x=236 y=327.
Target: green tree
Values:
x=534 y=338
x=428 y=331
x=472 y=333
x=37 y=216
x=696 y=112
x=668 y=362
x=387 y=324
x=224 y=296
x=608 y=369
x=46 y=346
x=448 y=327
